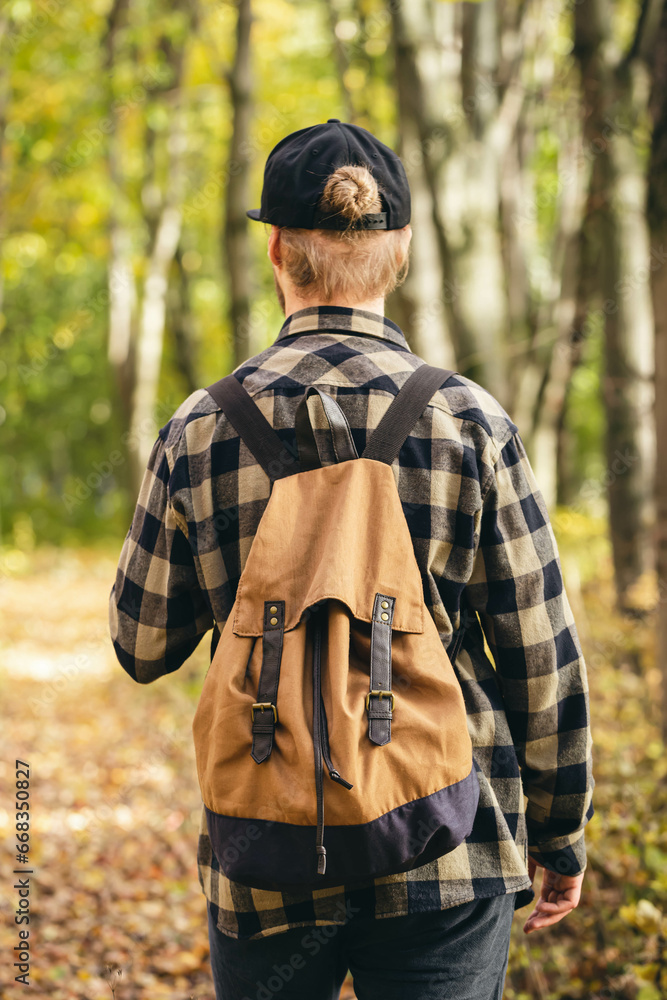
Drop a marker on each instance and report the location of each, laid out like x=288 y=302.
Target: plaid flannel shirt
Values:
x=478 y=523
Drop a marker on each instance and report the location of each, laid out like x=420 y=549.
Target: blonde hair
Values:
x=352 y=264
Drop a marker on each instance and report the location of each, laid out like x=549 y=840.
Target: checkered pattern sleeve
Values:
x=517 y=589
x=158 y=611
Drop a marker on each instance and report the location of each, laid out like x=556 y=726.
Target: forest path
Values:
x=115 y=805
x=114 y=799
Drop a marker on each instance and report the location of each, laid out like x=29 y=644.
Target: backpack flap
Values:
x=321 y=536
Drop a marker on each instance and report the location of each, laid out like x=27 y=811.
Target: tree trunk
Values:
x=455 y=138
x=151 y=327
x=136 y=334
x=236 y=251
x=634 y=291
x=565 y=355
x=342 y=62
x=121 y=281
x=481 y=271
x=565 y=315
x=625 y=473
x=428 y=295
x=519 y=240
x=657 y=218
x=181 y=325
x=164 y=217
x=122 y=311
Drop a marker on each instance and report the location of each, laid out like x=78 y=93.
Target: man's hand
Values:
x=558 y=896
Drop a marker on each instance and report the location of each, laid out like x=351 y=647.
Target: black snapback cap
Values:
x=298 y=168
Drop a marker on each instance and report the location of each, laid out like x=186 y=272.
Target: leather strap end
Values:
x=264 y=711
x=380 y=700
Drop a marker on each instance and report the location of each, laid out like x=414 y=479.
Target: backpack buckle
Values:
x=262 y=706
x=380 y=695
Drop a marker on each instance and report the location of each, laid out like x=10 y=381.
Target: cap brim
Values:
x=254 y=213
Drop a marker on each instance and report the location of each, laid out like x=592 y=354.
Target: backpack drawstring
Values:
x=321 y=741
x=326 y=750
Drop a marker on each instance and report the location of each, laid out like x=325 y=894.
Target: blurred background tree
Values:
x=133 y=136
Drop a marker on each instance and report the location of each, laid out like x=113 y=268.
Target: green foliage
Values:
x=61 y=408
x=59 y=403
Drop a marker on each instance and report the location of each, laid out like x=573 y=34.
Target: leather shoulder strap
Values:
x=404 y=411
x=250 y=423
x=341 y=435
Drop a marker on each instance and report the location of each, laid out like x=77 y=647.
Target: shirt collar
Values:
x=339 y=319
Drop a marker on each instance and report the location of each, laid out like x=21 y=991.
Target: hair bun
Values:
x=351 y=192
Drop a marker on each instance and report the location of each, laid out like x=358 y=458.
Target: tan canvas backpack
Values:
x=330 y=696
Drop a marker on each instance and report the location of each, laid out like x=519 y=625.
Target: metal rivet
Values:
x=385 y=604
x=273 y=609
x=274 y=621
x=385 y=616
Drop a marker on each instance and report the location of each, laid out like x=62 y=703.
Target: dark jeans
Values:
x=455 y=954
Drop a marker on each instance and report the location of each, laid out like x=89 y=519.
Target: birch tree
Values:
x=165 y=202
x=341 y=61
x=425 y=301
x=137 y=313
